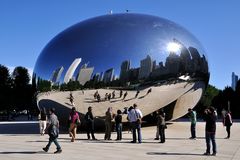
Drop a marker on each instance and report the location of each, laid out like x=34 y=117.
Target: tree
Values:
x=5 y=89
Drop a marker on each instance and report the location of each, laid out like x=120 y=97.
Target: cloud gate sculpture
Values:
x=122 y=59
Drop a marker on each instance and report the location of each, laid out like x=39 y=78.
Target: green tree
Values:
x=5 y=89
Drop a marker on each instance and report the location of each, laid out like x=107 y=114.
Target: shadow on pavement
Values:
x=173 y=154
x=24 y=152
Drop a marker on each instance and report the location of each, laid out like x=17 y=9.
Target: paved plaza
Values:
x=177 y=146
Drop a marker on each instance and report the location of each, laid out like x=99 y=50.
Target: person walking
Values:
x=210 y=130
x=42 y=121
x=53 y=131
x=90 y=123
x=74 y=122
x=193 y=119
x=118 y=121
x=108 y=124
x=228 y=123
x=134 y=117
x=161 y=125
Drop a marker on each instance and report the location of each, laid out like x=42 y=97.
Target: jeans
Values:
x=210 y=136
x=162 y=133
x=136 y=126
x=53 y=139
x=193 y=130
x=119 y=131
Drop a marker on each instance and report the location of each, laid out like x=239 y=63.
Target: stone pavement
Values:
x=177 y=146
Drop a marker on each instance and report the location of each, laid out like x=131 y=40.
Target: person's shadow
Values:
x=173 y=154
x=24 y=152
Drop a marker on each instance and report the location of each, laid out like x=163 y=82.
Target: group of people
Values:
x=210 y=117
x=134 y=116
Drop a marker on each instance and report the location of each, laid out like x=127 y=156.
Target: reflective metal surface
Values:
x=127 y=52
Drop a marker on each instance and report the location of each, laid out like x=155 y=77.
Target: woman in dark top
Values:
x=118 y=120
x=228 y=123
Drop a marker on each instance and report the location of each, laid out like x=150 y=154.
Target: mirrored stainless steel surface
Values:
x=128 y=52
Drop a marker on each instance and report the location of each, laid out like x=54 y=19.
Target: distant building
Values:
x=85 y=74
x=108 y=75
x=56 y=75
x=172 y=63
x=101 y=76
x=96 y=77
x=146 y=66
x=125 y=66
x=133 y=74
x=71 y=70
x=234 y=81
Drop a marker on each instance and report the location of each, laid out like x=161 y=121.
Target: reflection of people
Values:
x=228 y=123
x=149 y=91
x=134 y=117
x=42 y=120
x=137 y=93
x=193 y=118
x=118 y=121
x=120 y=94
x=108 y=124
x=161 y=125
x=125 y=95
x=90 y=123
x=210 y=130
x=74 y=120
x=53 y=131
x=71 y=99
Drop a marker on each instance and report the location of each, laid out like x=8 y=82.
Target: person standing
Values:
x=108 y=124
x=118 y=121
x=134 y=117
x=210 y=130
x=42 y=121
x=74 y=121
x=90 y=123
x=53 y=131
x=161 y=125
x=193 y=119
x=228 y=123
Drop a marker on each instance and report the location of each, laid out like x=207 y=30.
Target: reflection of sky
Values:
x=106 y=41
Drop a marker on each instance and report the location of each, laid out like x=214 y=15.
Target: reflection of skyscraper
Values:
x=96 y=77
x=57 y=74
x=108 y=75
x=172 y=63
x=85 y=74
x=185 y=60
x=101 y=76
x=71 y=70
x=146 y=66
x=234 y=80
x=124 y=70
x=196 y=59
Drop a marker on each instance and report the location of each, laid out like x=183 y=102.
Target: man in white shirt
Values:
x=134 y=117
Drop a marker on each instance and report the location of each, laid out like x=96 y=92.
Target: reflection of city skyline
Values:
x=188 y=61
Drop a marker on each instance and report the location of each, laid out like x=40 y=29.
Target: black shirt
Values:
x=118 y=119
x=210 y=119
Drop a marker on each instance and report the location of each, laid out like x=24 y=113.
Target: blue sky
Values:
x=26 y=26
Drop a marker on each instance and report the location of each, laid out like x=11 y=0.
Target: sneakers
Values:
x=58 y=151
x=156 y=138
x=214 y=154
x=45 y=149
